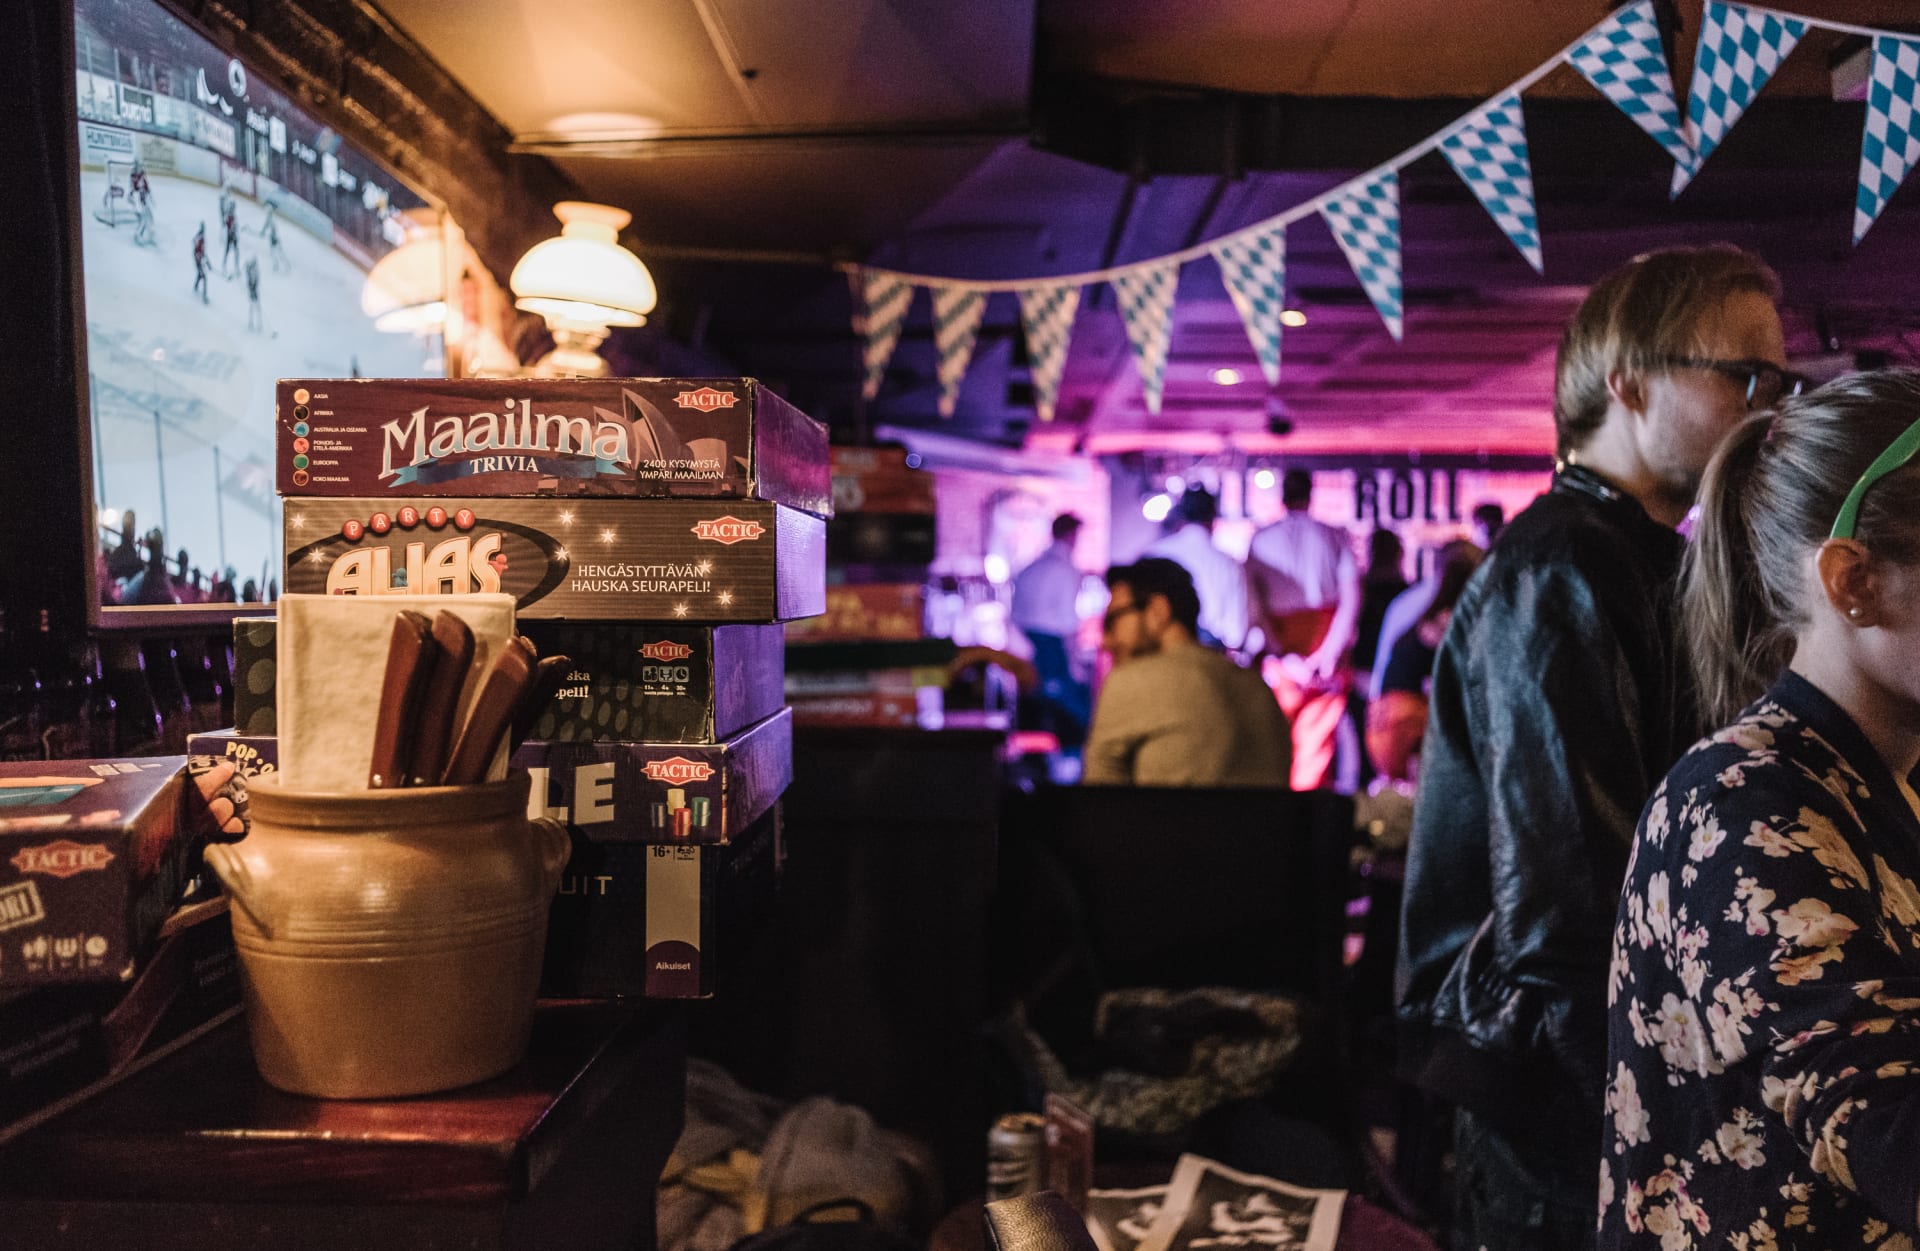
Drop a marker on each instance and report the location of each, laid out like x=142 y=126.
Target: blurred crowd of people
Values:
x=135 y=569
x=1659 y=952
x=1340 y=651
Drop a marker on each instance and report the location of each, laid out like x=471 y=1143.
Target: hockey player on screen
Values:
x=142 y=212
x=256 y=320
x=232 y=224
x=275 y=253
x=200 y=265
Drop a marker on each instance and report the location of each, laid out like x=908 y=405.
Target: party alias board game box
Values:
x=399 y=438
x=668 y=560
x=93 y=856
x=657 y=920
x=678 y=793
x=638 y=681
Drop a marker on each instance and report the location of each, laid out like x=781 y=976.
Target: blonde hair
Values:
x=1769 y=498
x=1648 y=310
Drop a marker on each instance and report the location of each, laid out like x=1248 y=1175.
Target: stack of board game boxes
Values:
x=657 y=531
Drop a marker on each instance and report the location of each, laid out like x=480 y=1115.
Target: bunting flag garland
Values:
x=1625 y=59
x=1490 y=155
x=1046 y=317
x=1255 y=269
x=956 y=319
x=885 y=300
x=1366 y=221
x=1146 y=306
x=1737 y=54
x=1740 y=48
x=1892 y=140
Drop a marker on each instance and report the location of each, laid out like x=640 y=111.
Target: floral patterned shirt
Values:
x=1764 y=996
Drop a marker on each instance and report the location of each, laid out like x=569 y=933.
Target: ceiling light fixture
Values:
x=1227 y=377
x=1292 y=317
x=406 y=290
x=582 y=283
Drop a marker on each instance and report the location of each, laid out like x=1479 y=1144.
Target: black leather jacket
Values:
x=1560 y=699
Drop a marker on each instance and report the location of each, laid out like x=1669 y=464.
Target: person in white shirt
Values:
x=1305 y=587
x=1218 y=577
x=1043 y=607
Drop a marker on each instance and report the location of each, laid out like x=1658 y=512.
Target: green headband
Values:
x=1903 y=450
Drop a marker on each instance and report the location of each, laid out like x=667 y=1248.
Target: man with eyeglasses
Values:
x=1558 y=702
x=1174 y=712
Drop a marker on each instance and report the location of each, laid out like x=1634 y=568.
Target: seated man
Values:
x=1172 y=712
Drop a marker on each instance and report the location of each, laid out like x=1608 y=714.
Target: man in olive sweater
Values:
x=1173 y=712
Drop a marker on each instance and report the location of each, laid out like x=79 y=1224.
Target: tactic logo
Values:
x=665 y=651
x=729 y=530
x=678 y=770
x=706 y=399
x=62 y=859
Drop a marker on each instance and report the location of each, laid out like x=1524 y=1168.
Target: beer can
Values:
x=1016 y=1155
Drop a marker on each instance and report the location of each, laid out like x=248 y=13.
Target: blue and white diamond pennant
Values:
x=1737 y=54
x=1366 y=222
x=1146 y=306
x=1625 y=59
x=1892 y=140
x=956 y=319
x=1255 y=269
x=1046 y=316
x=884 y=300
x=1489 y=152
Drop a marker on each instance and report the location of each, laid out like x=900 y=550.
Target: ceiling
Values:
x=760 y=142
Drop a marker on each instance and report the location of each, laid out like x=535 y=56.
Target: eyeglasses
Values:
x=1903 y=450
x=1115 y=613
x=1761 y=382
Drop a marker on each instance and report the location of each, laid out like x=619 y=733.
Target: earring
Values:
x=1853 y=613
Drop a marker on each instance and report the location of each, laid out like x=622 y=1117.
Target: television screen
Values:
x=226 y=238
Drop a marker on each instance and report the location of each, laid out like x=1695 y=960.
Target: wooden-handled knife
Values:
x=548 y=676
x=500 y=697
x=440 y=709
x=412 y=657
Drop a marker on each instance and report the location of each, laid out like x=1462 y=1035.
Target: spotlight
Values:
x=1292 y=317
x=1156 y=507
x=1227 y=377
x=1263 y=479
x=996 y=567
x=1175 y=484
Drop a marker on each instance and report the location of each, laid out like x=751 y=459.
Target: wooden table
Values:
x=198 y=1152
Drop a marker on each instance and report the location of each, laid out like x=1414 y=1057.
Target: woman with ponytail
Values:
x=1764 y=994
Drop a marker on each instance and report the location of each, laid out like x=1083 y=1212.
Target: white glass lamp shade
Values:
x=406 y=291
x=584 y=277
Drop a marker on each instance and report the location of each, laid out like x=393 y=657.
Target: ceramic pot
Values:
x=390 y=941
